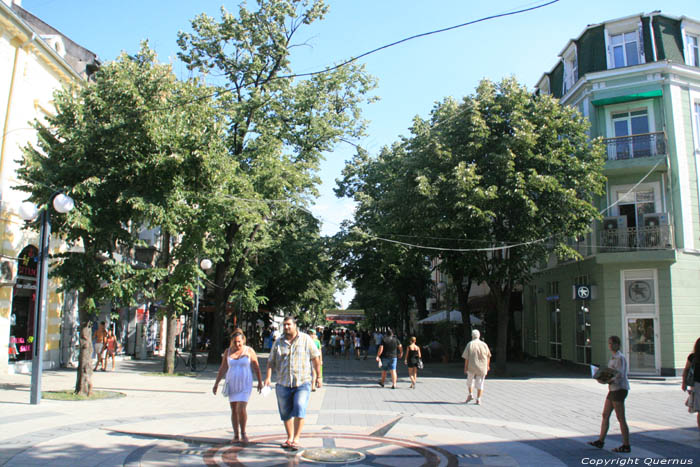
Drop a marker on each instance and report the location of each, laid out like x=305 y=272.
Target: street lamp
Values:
x=205 y=264
x=28 y=211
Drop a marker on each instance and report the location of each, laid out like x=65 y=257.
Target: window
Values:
x=554 y=320
x=693 y=58
x=570 y=70
x=631 y=131
x=583 y=325
x=625 y=49
x=531 y=322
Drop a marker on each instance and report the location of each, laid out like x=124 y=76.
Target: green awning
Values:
x=628 y=97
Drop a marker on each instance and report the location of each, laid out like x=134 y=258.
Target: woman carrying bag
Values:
x=691 y=380
x=618 y=387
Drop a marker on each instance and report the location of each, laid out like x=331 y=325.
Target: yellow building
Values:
x=35 y=60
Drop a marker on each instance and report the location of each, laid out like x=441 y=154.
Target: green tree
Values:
x=123 y=148
x=500 y=181
x=278 y=125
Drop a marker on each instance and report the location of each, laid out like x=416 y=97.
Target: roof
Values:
x=78 y=60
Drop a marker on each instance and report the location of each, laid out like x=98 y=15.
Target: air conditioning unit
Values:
x=615 y=222
x=655 y=219
x=8 y=272
x=614 y=233
x=653 y=234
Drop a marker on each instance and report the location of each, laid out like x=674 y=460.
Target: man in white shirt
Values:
x=477 y=363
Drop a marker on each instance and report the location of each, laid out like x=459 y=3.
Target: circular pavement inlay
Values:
x=332 y=455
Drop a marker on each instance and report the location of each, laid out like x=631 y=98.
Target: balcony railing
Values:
x=636 y=146
x=656 y=237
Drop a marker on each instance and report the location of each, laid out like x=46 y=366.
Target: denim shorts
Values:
x=292 y=402
x=388 y=364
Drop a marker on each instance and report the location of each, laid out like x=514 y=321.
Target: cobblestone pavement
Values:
x=543 y=414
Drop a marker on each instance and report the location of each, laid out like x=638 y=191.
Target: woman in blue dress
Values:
x=237 y=366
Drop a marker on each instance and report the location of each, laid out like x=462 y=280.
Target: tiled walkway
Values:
x=542 y=416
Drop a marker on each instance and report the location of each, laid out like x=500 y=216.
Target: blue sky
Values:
x=411 y=76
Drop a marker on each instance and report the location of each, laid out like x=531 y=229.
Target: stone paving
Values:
x=543 y=414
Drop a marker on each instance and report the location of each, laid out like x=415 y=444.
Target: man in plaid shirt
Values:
x=292 y=356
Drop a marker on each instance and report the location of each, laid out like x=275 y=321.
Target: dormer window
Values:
x=570 y=69
x=625 y=49
x=693 y=57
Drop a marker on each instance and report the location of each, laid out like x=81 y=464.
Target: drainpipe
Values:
x=651 y=32
x=3 y=139
x=9 y=101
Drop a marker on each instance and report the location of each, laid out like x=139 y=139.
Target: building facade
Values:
x=637 y=79
x=35 y=61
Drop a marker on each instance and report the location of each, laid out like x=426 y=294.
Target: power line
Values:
x=370 y=52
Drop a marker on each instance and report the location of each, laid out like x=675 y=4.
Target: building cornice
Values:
x=663 y=67
x=21 y=31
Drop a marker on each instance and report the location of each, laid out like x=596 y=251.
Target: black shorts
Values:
x=617 y=396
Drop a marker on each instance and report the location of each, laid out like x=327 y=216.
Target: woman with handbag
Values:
x=413 y=360
x=235 y=367
x=691 y=380
x=618 y=387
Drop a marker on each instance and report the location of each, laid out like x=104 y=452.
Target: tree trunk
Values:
x=502 y=298
x=171 y=330
x=217 y=332
x=463 y=291
x=83 y=381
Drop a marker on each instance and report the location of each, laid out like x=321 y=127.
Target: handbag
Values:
x=419 y=364
x=689 y=380
x=224 y=389
x=605 y=375
x=690 y=402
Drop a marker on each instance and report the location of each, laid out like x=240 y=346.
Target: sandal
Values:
x=286 y=445
x=294 y=446
x=597 y=444
x=244 y=439
x=623 y=448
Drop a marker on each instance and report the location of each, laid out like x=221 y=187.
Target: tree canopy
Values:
x=490 y=186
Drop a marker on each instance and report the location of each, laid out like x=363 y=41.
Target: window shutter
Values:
x=640 y=35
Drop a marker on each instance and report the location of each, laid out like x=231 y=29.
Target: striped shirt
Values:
x=291 y=361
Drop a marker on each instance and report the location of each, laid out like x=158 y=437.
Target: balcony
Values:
x=657 y=237
x=636 y=146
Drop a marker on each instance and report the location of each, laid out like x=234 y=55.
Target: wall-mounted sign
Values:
x=583 y=292
x=27 y=261
x=639 y=291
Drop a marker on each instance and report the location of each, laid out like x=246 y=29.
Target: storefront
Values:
x=22 y=308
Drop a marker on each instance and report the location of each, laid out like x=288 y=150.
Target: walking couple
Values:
x=292 y=357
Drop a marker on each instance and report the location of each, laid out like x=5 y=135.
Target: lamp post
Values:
x=205 y=264
x=28 y=211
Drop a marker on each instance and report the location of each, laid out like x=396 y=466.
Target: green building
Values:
x=638 y=81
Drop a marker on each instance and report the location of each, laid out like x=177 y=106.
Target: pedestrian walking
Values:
x=477 y=363
x=364 y=341
x=237 y=366
x=111 y=346
x=389 y=350
x=292 y=357
x=100 y=340
x=691 y=380
x=413 y=356
x=618 y=387
x=316 y=377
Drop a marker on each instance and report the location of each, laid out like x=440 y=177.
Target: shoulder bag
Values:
x=689 y=380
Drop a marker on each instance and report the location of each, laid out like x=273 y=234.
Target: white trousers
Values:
x=473 y=379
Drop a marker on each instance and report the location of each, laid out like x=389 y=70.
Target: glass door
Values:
x=641 y=338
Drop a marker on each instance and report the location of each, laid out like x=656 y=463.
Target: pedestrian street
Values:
x=543 y=414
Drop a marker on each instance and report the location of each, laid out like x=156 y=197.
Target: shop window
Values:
x=554 y=320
